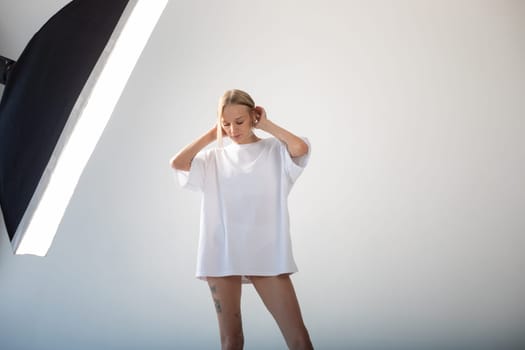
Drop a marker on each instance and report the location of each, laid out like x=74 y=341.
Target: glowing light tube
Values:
x=84 y=127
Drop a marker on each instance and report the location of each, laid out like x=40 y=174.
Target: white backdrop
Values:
x=408 y=224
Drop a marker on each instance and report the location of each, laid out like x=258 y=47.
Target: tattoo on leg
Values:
x=217 y=305
x=213 y=289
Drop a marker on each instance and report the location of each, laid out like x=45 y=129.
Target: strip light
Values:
x=85 y=125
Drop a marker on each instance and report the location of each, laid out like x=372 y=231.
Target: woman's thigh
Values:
x=226 y=294
x=279 y=297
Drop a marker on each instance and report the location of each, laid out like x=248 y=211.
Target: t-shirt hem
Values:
x=244 y=278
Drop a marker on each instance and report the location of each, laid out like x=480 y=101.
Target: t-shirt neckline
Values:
x=245 y=145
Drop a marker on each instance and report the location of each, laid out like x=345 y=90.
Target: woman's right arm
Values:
x=182 y=160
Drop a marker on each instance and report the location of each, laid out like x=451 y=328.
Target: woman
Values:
x=244 y=234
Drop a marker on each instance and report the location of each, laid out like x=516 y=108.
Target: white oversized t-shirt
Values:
x=244 y=227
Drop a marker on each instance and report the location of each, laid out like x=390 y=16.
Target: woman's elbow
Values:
x=173 y=163
x=300 y=150
x=176 y=164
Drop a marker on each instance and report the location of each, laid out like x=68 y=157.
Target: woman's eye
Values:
x=240 y=123
x=225 y=125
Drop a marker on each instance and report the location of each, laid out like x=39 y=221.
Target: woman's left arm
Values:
x=295 y=145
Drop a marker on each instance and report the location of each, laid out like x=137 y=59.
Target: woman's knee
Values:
x=232 y=341
x=300 y=341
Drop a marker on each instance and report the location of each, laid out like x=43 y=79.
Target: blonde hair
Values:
x=231 y=97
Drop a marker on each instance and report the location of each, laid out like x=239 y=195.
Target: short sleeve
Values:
x=295 y=166
x=194 y=178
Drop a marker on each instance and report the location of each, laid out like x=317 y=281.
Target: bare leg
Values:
x=279 y=296
x=226 y=294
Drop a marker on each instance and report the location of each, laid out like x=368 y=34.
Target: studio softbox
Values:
x=57 y=100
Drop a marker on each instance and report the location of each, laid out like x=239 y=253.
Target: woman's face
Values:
x=237 y=123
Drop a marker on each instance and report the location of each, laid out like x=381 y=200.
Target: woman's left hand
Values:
x=260 y=117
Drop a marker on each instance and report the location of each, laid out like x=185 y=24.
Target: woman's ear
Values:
x=253 y=117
